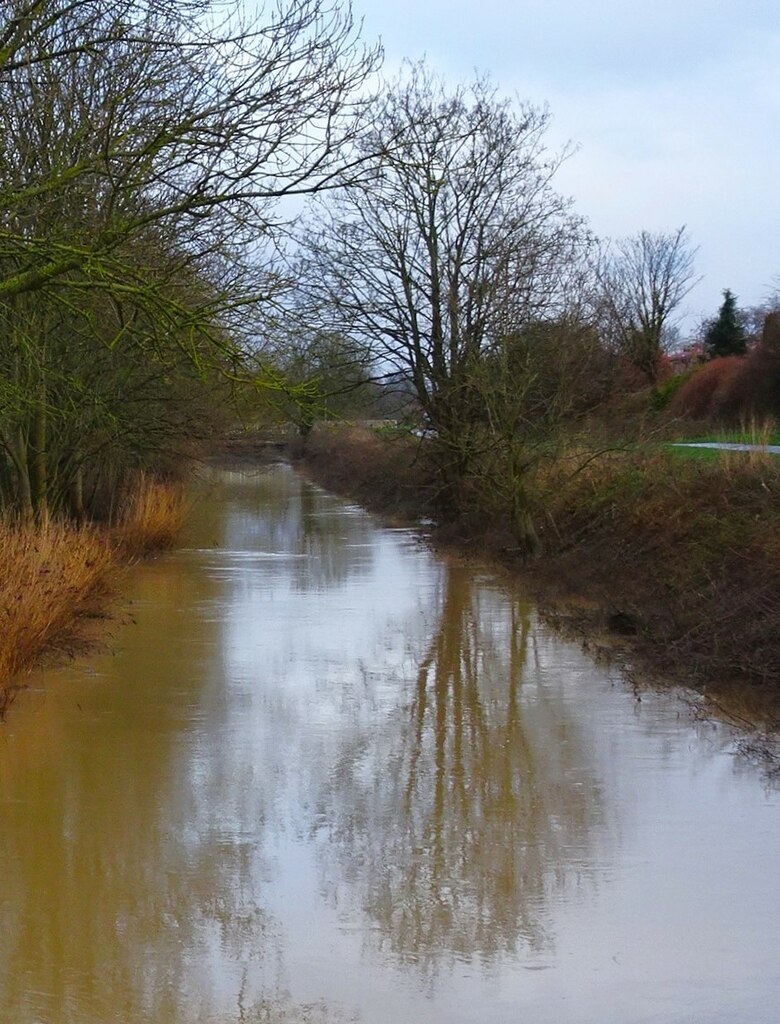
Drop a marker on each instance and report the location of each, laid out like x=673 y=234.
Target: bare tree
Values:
x=642 y=281
x=457 y=242
x=163 y=112
x=144 y=146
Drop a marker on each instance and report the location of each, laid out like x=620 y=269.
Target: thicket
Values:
x=145 y=147
x=465 y=283
x=144 y=277
x=684 y=553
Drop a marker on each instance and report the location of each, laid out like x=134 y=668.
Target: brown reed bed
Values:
x=152 y=516
x=57 y=577
x=53 y=577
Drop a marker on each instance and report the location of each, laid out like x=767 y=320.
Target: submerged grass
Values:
x=56 y=576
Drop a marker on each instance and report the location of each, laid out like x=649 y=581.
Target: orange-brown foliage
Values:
x=756 y=391
x=736 y=388
x=706 y=393
x=53 y=575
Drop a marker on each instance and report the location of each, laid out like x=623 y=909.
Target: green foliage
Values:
x=321 y=375
x=665 y=392
x=392 y=431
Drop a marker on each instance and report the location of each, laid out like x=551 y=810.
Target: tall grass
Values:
x=55 y=575
x=52 y=575
x=152 y=516
x=690 y=549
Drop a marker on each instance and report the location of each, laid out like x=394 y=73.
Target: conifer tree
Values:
x=725 y=335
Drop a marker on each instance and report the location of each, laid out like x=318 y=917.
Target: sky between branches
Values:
x=674 y=105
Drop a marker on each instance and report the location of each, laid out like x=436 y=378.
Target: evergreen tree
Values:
x=725 y=335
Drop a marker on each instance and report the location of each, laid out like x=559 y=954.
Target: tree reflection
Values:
x=274 y=511
x=478 y=807
x=337 y=543
x=278 y=1008
x=156 y=829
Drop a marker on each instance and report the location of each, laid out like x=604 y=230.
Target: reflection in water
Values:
x=325 y=542
x=328 y=778
x=111 y=869
x=474 y=804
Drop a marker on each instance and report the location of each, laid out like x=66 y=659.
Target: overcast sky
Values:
x=674 y=105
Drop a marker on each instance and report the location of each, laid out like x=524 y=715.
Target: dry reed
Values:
x=152 y=517
x=52 y=575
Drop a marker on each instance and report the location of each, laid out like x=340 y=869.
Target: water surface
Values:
x=327 y=776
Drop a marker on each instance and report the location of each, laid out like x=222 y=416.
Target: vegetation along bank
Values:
x=57 y=577
x=676 y=553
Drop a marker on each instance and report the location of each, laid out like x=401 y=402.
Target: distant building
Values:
x=688 y=357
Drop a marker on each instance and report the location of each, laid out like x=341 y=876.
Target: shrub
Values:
x=704 y=394
x=689 y=550
x=666 y=391
x=756 y=392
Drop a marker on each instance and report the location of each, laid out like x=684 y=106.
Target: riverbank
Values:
x=679 y=558
x=57 y=578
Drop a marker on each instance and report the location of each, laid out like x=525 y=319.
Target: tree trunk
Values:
x=23 y=488
x=77 y=496
x=40 y=468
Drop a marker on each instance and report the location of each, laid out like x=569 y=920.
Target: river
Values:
x=326 y=776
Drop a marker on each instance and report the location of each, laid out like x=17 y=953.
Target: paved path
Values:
x=729 y=446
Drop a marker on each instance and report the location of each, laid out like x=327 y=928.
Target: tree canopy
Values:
x=145 y=146
x=642 y=281
x=455 y=244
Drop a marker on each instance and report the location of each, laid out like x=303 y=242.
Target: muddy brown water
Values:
x=327 y=776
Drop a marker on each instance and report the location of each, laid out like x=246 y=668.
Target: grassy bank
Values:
x=682 y=557
x=151 y=519
x=685 y=555
x=57 y=577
